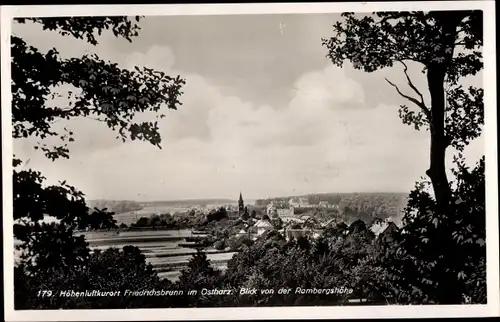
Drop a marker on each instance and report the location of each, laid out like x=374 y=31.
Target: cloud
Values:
x=329 y=137
x=324 y=142
x=156 y=57
x=325 y=139
x=314 y=113
x=330 y=87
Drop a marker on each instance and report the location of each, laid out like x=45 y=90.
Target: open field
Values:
x=162 y=248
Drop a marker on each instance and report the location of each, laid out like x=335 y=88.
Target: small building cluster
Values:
x=295 y=225
x=289 y=208
x=277 y=209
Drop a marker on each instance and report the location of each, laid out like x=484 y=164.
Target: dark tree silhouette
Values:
x=112 y=269
x=447 y=44
x=357 y=226
x=44 y=244
x=440 y=259
x=335 y=230
x=217 y=215
x=100 y=219
x=199 y=274
x=104 y=92
x=108 y=94
x=245 y=215
x=429 y=262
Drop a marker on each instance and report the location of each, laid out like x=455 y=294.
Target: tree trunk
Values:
x=448 y=291
x=437 y=169
x=436 y=73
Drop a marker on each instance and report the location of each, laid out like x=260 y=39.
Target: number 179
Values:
x=44 y=293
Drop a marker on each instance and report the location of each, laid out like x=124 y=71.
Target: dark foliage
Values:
x=217 y=215
x=51 y=255
x=436 y=258
x=448 y=45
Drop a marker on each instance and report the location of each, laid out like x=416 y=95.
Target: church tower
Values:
x=241 y=205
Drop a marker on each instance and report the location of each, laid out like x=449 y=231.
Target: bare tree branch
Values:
x=412 y=99
x=410 y=83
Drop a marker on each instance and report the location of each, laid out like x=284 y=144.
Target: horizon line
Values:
x=253 y=198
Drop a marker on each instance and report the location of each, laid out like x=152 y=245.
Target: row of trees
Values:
x=166 y=221
x=187 y=220
x=438 y=257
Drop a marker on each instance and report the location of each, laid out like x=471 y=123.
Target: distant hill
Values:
x=116 y=206
x=352 y=206
x=187 y=203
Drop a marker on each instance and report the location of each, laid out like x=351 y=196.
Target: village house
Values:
x=242 y=232
x=386 y=236
x=382 y=229
x=285 y=212
x=295 y=233
x=293 y=202
x=231 y=208
x=304 y=202
x=379 y=226
x=262 y=226
x=270 y=209
x=298 y=202
x=278 y=209
x=291 y=219
x=324 y=204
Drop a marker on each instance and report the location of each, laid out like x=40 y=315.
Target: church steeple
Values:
x=241 y=205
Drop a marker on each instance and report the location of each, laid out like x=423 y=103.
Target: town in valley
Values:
x=170 y=232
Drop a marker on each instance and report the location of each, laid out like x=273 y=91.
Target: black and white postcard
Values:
x=319 y=160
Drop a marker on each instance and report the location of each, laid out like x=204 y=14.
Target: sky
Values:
x=264 y=112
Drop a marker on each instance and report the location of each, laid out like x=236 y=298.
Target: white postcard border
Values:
x=490 y=131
